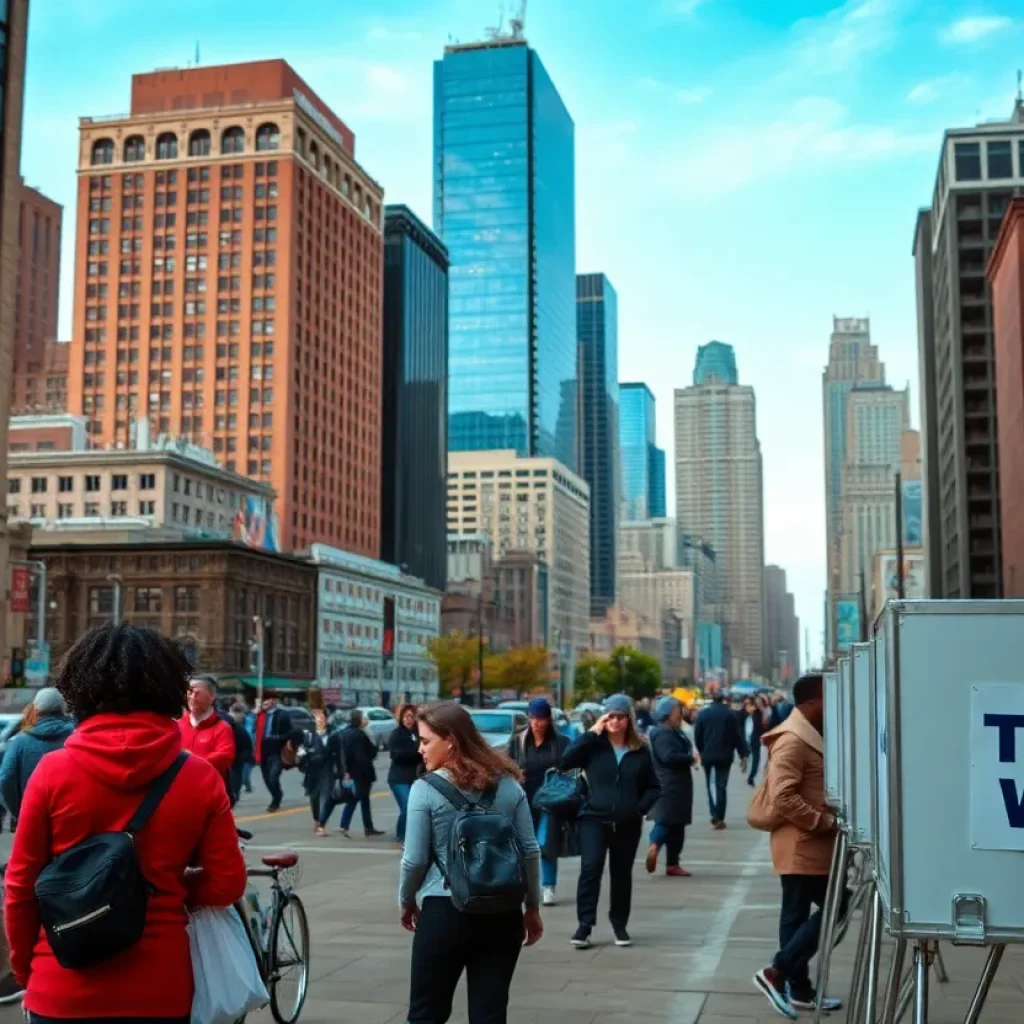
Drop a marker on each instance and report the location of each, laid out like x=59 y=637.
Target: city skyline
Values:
x=855 y=109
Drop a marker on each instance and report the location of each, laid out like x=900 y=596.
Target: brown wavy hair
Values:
x=474 y=764
x=401 y=710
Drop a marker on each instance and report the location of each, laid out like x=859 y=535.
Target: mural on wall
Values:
x=256 y=525
x=913 y=529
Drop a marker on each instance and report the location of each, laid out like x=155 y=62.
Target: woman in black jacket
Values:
x=537 y=750
x=621 y=788
x=358 y=752
x=406 y=763
x=672 y=755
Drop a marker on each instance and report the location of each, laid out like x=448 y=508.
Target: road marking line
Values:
x=266 y=816
x=718 y=933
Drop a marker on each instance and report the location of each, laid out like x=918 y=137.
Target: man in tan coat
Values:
x=803 y=832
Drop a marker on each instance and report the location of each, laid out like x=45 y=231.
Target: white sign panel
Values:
x=997 y=766
x=881 y=745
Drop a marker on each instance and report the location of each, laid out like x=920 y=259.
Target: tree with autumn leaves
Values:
x=636 y=674
x=456 y=656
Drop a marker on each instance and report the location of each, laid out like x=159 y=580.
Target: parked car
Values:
x=498 y=726
x=380 y=723
x=561 y=719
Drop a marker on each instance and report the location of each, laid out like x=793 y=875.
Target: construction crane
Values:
x=518 y=23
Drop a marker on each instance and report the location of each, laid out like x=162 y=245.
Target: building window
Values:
x=65 y=510
x=147 y=481
x=186 y=599
x=119 y=482
x=14 y=486
x=92 y=508
x=268 y=136
x=147 y=508
x=39 y=484
x=101 y=601
x=967 y=156
x=1000 y=159
x=102 y=152
x=119 y=508
x=233 y=140
x=166 y=146
x=199 y=143
x=149 y=599
x=134 y=148
x=65 y=484
x=92 y=483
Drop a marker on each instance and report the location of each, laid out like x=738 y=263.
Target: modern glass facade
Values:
x=597 y=330
x=716 y=361
x=643 y=463
x=504 y=203
x=414 y=468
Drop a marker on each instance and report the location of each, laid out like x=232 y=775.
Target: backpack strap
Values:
x=157 y=791
x=447 y=790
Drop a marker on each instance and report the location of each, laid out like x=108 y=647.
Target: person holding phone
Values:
x=621 y=788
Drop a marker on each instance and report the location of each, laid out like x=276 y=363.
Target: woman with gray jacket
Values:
x=48 y=732
x=447 y=941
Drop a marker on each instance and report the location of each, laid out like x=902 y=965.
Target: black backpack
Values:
x=92 y=898
x=486 y=865
x=311 y=752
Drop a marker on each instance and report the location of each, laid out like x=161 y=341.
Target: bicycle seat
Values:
x=284 y=859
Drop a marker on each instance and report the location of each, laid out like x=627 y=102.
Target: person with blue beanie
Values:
x=672 y=755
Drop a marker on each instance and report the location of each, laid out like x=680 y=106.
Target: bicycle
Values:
x=279 y=934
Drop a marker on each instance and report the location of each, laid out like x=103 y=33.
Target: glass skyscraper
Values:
x=414 y=462
x=504 y=204
x=643 y=462
x=597 y=313
x=716 y=361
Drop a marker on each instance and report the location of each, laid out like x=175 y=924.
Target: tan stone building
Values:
x=534 y=505
x=204 y=592
x=171 y=484
x=14 y=25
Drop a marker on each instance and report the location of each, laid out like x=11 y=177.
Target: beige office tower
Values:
x=852 y=361
x=534 y=505
x=720 y=498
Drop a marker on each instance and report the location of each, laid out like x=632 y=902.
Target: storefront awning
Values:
x=269 y=683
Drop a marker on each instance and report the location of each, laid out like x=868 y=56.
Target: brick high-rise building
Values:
x=228 y=282
x=14 y=35
x=36 y=356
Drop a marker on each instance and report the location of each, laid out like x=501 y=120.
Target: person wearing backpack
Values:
x=621 y=788
x=466 y=913
x=537 y=749
x=121 y=786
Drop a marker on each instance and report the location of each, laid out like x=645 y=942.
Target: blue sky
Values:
x=744 y=168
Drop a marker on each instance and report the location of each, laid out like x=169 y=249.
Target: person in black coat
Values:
x=406 y=763
x=756 y=722
x=621 y=788
x=718 y=738
x=243 y=750
x=538 y=749
x=358 y=753
x=672 y=755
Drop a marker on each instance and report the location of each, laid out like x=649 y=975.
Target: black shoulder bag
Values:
x=93 y=897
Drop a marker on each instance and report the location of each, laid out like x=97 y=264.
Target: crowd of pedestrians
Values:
x=127 y=731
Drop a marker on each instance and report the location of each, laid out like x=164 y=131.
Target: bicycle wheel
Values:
x=288 y=958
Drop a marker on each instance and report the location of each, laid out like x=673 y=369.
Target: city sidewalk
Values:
x=698 y=941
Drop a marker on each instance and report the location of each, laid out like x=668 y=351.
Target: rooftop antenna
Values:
x=197 y=53
x=497 y=32
x=518 y=23
x=1020 y=86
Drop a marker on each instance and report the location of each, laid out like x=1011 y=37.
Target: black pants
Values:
x=320 y=803
x=446 y=943
x=616 y=843
x=675 y=836
x=800 y=929
x=270 y=769
x=755 y=759
x=717 y=778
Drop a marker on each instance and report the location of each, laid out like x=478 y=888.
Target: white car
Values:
x=498 y=726
x=380 y=723
x=8 y=730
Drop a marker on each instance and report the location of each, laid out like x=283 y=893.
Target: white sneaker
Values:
x=548 y=897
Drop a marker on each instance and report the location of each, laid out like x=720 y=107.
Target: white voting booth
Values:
x=860 y=746
x=831 y=733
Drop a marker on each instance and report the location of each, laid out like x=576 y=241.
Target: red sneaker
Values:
x=677 y=872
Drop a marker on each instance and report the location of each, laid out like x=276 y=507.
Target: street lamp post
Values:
x=480 y=646
x=558 y=663
x=623 y=659
x=257 y=654
x=118 y=582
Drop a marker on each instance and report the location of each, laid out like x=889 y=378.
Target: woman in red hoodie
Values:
x=125 y=686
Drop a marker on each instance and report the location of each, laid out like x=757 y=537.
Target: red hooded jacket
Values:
x=212 y=740
x=93 y=785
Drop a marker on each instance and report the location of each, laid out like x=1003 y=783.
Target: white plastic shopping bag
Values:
x=227 y=980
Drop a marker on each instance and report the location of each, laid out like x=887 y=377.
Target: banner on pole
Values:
x=20 y=589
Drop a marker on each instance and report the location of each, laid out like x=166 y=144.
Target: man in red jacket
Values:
x=203 y=731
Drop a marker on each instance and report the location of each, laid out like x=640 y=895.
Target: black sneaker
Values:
x=772 y=984
x=10 y=991
x=807 y=999
x=581 y=940
x=622 y=937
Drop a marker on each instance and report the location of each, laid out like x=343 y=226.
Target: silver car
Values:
x=498 y=726
x=380 y=723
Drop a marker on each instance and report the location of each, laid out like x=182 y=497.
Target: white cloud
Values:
x=698 y=94
x=840 y=40
x=814 y=132
x=974 y=29
x=935 y=88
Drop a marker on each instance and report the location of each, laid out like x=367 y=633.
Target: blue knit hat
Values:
x=665 y=707
x=619 y=704
x=538 y=708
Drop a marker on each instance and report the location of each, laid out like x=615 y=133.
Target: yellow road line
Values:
x=292 y=810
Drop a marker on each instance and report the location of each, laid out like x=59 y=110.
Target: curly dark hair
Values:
x=124 y=668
